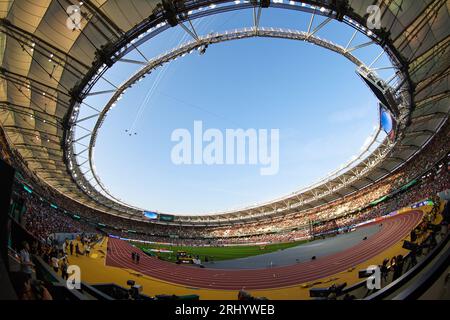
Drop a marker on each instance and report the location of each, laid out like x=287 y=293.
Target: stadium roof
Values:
x=47 y=68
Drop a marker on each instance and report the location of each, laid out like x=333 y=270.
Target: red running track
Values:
x=393 y=230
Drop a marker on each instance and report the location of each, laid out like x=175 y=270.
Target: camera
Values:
x=135 y=290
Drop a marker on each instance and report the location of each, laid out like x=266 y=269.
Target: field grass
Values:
x=217 y=253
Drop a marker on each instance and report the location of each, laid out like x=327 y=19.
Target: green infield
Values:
x=216 y=253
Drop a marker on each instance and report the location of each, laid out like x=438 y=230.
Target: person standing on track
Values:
x=77 y=250
x=87 y=250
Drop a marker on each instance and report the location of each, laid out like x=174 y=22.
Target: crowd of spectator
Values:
x=42 y=219
x=437 y=149
x=427 y=188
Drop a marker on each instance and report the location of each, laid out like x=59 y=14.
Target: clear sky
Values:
x=323 y=111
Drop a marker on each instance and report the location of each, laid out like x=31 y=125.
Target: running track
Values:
x=393 y=230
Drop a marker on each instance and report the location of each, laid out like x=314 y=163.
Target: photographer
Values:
x=412 y=258
x=397 y=267
x=384 y=269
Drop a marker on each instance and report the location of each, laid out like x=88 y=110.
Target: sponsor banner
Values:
x=161 y=250
x=422 y=203
x=205 y=245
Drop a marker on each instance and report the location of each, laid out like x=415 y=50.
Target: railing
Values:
x=116 y=292
x=425 y=280
x=94 y=292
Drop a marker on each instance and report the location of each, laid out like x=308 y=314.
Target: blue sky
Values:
x=323 y=111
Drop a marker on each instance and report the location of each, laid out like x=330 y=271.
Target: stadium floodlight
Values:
x=202 y=49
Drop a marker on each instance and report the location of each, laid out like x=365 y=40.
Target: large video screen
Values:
x=387 y=122
x=150 y=215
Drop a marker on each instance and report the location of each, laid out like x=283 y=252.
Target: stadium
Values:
x=98 y=203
